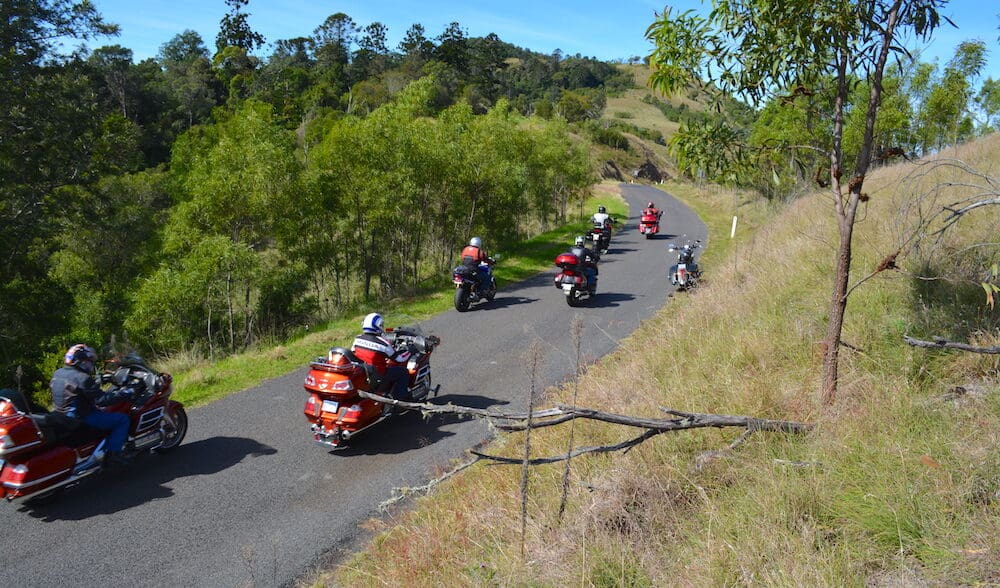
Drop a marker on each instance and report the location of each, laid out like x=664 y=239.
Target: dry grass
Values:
x=898 y=485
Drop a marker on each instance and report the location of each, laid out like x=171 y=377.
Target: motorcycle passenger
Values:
x=373 y=349
x=76 y=394
x=588 y=259
x=474 y=255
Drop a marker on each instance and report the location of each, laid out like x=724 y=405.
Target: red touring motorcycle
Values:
x=649 y=224
x=572 y=280
x=335 y=411
x=41 y=453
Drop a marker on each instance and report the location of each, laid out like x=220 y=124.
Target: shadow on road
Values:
x=143 y=482
x=411 y=430
x=609 y=299
x=505 y=301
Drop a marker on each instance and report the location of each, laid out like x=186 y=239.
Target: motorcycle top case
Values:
x=567 y=260
x=323 y=377
x=47 y=464
x=18 y=433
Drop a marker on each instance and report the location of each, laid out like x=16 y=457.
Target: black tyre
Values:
x=461 y=299
x=174 y=434
x=573 y=299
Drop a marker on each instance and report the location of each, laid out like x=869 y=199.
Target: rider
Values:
x=75 y=395
x=602 y=217
x=373 y=349
x=474 y=255
x=652 y=210
x=589 y=261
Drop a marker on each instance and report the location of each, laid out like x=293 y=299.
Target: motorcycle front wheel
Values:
x=174 y=434
x=462 y=298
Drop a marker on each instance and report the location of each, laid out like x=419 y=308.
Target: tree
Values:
x=988 y=101
x=755 y=48
x=235 y=31
x=49 y=118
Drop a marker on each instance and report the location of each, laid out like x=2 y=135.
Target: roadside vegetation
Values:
x=198 y=380
x=898 y=484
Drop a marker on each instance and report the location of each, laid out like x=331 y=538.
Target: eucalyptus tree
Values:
x=238 y=188
x=758 y=48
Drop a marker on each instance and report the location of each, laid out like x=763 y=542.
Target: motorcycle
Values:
x=685 y=273
x=467 y=287
x=572 y=280
x=600 y=236
x=42 y=453
x=649 y=224
x=335 y=411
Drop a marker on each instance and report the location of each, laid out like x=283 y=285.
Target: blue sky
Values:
x=603 y=29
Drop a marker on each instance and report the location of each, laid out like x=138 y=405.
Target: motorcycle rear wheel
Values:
x=461 y=299
x=173 y=439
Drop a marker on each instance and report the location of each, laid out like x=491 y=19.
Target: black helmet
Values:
x=601 y=209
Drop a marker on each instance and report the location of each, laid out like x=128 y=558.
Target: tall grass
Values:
x=899 y=484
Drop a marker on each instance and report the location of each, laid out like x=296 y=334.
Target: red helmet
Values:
x=82 y=357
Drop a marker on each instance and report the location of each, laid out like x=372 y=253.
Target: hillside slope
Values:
x=899 y=484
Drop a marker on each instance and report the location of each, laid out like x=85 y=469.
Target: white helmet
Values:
x=476 y=242
x=373 y=324
x=579 y=240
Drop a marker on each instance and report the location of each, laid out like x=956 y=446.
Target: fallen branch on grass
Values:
x=562 y=414
x=939 y=343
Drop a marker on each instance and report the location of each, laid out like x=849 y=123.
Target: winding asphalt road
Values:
x=250 y=500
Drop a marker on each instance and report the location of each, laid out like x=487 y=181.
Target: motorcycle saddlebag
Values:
x=39 y=472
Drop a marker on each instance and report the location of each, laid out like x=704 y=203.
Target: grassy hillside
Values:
x=899 y=484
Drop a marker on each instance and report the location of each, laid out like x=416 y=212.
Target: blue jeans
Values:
x=115 y=422
x=397 y=379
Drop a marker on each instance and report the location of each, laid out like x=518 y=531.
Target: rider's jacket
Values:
x=601 y=217
x=376 y=351
x=587 y=257
x=653 y=211
x=472 y=255
x=74 y=392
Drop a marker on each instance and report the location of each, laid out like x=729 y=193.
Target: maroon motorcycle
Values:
x=41 y=453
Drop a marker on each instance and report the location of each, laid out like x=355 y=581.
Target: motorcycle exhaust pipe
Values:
x=347 y=435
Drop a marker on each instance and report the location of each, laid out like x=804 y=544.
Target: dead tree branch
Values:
x=561 y=414
x=939 y=343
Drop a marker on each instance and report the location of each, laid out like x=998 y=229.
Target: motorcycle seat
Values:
x=59 y=428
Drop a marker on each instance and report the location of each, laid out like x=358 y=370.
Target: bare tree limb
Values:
x=401 y=493
x=939 y=343
x=561 y=414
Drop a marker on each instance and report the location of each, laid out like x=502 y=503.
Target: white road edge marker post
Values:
x=732 y=232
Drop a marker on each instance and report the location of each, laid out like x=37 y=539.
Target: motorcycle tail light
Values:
x=352 y=414
x=7 y=408
x=579 y=279
x=310 y=380
x=312 y=406
x=343 y=385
